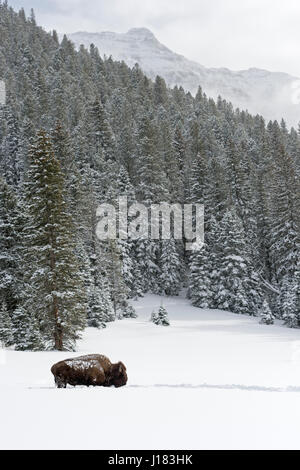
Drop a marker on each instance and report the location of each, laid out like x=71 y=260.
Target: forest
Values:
x=78 y=130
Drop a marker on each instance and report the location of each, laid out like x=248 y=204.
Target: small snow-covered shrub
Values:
x=129 y=312
x=154 y=317
x=160 y=317
x=266 y=316
x=126 y=311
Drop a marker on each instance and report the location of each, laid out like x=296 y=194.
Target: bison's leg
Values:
x=60 y=383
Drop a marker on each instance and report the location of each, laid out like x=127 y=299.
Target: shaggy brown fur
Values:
x=93 y=369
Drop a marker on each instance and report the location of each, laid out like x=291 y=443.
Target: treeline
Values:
x=78 y=130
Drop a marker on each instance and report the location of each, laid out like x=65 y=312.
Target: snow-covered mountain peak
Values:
x=272 y=94
x=141 y=33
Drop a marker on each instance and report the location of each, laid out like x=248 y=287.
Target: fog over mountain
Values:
x=272 y=94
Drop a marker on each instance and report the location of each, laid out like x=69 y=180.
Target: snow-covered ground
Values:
x=212 y=380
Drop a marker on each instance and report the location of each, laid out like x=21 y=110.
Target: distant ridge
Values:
x=272 y=94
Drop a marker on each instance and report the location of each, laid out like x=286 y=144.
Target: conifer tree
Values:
x=9 y=255
x=11 y=149
x=160 y=92
x=200 y=290
x=179 y=146
x=129 y=312
x=289 y=305
x=233 y=289
x=100 y=132
x=170 y=268
x=26 y=331
x=175 y=189
x=152 y=185
x=6 y=334
x=160 y=317
x=52 y=274
x=119 y=290
x=266 y=316
x=100 y=306
x=125 y=189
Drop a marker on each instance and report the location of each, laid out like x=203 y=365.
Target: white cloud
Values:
x=231 y=33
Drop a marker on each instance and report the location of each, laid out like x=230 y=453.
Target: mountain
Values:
x=272 y=94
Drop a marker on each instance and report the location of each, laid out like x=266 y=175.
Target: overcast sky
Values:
x=237 y=34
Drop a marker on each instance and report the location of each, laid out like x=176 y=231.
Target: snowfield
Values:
x=212 y=380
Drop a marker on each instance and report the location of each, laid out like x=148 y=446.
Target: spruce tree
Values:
x=6 y=334
x=200 y=290
x=152 y=183
x=234 y=282
x=266 y=316
x=26 y=331
x=288 y=301
x=9 y=240
x=170 y=268
x=100 y=133
x=100 y=307
x=129 y=312
x=160 y=317
x=54 y=289
x=119 y=290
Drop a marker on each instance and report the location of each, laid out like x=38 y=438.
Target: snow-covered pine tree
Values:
x=169 y=161
x=62 y=148
x=212 y=239
x=140 y=263
x=160 y=317
x=179 y=146
x=100 y=307
x=266 y=315
x=160 y=92
x=9 y=256
x=6 y=334
x=151 y=264
x=154 y=317
x=26 y=331
x=197 y=179
x=152 y=183
x=119 y=290
x=124 y=189
x=288 y=301
x=100 y=133
x=170 y=268
x=283 y=203
x=52 y=275
x=129 y=312
x=200 y=290
x=11 y=148
x=201 y=262
x=232 y=291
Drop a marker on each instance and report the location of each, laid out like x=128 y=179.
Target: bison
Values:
x=93 y=369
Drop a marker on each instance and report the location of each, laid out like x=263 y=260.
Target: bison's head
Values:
x=118 y=376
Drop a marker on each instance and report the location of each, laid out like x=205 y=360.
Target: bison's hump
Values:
x=79 y=364
x=89 y=357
